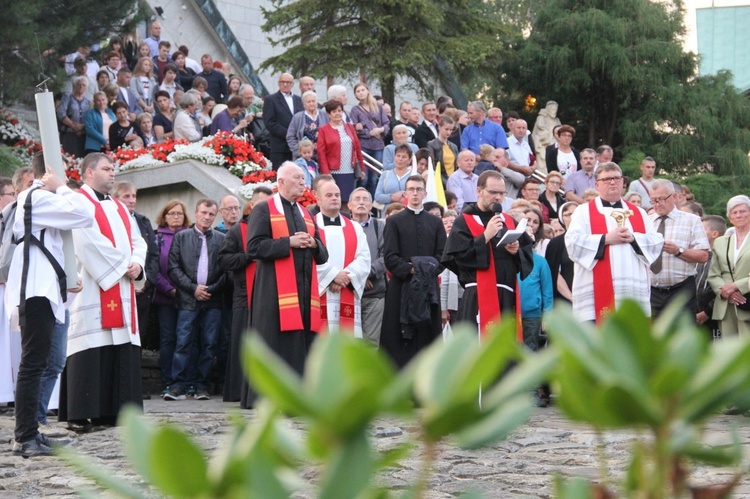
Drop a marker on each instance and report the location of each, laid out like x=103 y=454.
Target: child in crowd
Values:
x=306 y=161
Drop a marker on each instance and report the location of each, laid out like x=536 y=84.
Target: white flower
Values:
x=246 y=191
x=198 y=152
x=141 y=162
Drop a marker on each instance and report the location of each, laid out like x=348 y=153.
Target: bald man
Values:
x=286 y=251
x=278 y=109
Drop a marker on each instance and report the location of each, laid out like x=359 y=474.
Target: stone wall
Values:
x=188 y=181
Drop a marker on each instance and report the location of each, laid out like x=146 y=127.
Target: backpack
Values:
x=8 y=241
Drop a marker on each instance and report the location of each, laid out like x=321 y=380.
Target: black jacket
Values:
x=183 y=268
x=152 y=256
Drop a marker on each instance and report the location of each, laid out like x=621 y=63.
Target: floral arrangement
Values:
x=259 y=176
x=223 y=149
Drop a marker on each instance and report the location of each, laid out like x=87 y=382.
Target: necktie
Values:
x=202 y=274
x=656 y=266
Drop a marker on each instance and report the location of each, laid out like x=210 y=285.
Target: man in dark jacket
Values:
x=278 y=109
x=200 y=283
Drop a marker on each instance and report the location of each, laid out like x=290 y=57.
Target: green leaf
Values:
x=722 y=376
x=635 y=477
x=138 y=436
x=349 y=471
x=497 y=424
x=625 y=404
x=178 y=465
x=572 y=488
x=523 y=378
x=273 y=378
x=391 y=457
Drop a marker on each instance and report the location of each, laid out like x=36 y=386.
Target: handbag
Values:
x=746 y=305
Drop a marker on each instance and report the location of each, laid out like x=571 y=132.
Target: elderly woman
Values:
x=339 y=153
x=564 y=158
x=392 y=184
x=372 y=125
x=229 y=119
x=143 y=84
x=552 y=197
x=400 y=136
x=70 y=113
x=730 y=267
x=306 y=123
x=172 y=219
x=98 y=120
x=186 y=126
x=634 y=197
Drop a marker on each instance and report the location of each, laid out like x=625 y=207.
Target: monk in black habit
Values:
x=233 y=258
x=307 y=251
x=465 y=254
x=408 y=234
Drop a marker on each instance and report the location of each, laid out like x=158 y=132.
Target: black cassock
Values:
x=292 y=346
x=465 y=254
x=559 y=264
x=407 y=235
x=234 y=259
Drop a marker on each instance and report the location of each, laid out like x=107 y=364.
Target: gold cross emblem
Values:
x=112 y=306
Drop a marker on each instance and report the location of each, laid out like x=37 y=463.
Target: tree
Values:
x=621 y=77
x=40 y=29
x=384 y=39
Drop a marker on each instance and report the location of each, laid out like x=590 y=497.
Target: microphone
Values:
x=496 y=208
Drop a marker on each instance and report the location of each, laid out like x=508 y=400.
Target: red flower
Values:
x=259 y=176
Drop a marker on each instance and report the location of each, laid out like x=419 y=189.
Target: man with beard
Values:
x=487 y=271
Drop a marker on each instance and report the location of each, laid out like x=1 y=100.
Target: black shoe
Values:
x=80 y=426
x=174 y=394
x=202 y=395
x=32 y=448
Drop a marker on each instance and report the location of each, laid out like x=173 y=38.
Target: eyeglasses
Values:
x=175 y=214
x=611 y=180
x=495 y=193
x=660 y=200
x=11 y=194
x=415 y=189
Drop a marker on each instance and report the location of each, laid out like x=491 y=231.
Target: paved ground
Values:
x=521 y=466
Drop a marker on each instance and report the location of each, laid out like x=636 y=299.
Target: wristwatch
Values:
x=680 y=252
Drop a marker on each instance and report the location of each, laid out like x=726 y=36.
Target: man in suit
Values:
x=428 y=130
x=126 y=95
x=278 y=110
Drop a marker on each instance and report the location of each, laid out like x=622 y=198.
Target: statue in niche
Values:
x=542 y=134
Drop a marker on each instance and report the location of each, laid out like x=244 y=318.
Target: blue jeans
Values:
x=189 y=322
x=167 y=315
x=370 y=182
x=58 y=354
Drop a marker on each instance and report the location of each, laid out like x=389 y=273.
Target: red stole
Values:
x=487 y=299
x=604 y=290
x=110 y=300
x=290 y=314
x=250 y=269
x=346 y=308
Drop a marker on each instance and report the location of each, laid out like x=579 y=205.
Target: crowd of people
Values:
x=372 y=257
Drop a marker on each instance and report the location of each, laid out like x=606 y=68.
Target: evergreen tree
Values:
x=37 y=33
x=384 y=39
x=620 y=75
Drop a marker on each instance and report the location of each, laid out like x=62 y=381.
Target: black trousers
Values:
x=661 y=297
x=36 y=342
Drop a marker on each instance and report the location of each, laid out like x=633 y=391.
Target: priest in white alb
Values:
x=342 y=279
x=103 y=371
x=612 y=245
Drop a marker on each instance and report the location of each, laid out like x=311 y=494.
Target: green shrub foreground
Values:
x=665 y=381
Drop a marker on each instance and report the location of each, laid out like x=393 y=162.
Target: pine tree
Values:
x=384 y=39
x=36 y=33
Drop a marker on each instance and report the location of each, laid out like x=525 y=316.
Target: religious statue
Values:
x=542 y=134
